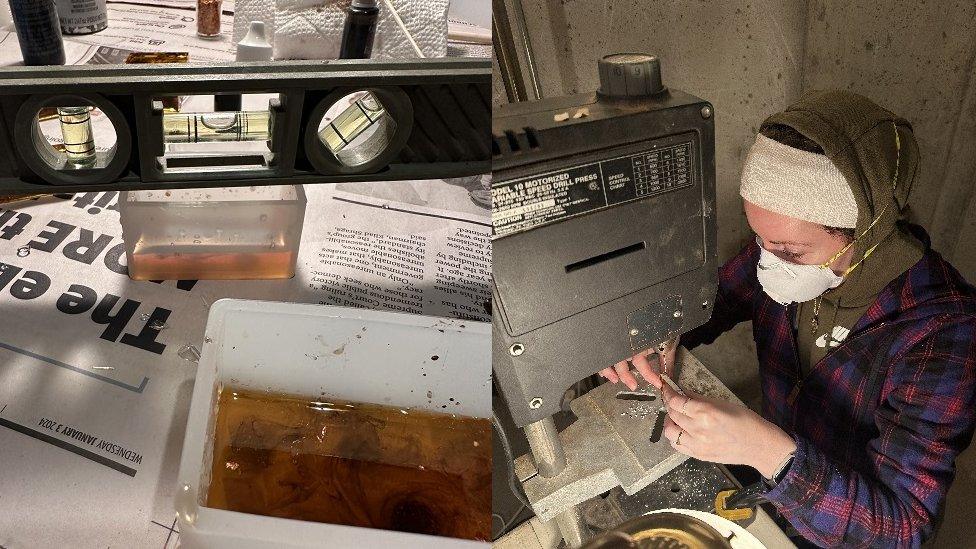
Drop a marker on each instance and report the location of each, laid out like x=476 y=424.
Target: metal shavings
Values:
x=189 y=353
x=641 y=411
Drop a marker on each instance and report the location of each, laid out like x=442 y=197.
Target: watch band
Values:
x=783 y=469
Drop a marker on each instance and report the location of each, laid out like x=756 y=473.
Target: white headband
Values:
x=796 y=183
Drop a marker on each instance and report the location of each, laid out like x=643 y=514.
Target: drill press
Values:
x=604 y=246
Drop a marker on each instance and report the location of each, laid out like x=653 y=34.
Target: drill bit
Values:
x=663 y=350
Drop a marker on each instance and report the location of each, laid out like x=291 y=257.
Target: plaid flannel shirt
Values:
x=872 y=465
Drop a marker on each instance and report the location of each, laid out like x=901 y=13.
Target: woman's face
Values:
x=797 y=241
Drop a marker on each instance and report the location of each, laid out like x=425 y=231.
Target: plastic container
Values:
x=222 y=233
x=309 y=350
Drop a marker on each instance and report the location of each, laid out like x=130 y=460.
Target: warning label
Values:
x=528 y=202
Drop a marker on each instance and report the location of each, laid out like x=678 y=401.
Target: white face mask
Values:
x=787 y=282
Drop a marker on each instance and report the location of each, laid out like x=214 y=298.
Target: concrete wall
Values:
x=751 y=59
x=916 y=59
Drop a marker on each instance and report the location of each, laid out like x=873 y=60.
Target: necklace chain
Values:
x=815 y=321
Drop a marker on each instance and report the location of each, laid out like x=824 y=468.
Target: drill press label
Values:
x=528 y=202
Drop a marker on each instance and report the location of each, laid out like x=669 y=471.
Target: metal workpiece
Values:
x=609 y=444
x=432 y=121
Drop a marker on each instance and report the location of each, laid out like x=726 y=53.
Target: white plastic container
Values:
x=220 y=233
x=311 y=350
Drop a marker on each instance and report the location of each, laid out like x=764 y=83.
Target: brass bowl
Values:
x=661 y=531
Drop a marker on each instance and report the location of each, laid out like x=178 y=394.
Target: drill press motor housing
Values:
x=604 y=230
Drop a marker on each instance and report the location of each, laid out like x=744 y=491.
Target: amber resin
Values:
x=354 y=464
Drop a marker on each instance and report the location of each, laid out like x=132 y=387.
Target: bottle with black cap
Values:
x=360 y=28
x=38 y=31
x=82 y=16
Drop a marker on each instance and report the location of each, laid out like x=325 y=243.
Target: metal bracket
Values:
x=609 y=445
x=657 y=322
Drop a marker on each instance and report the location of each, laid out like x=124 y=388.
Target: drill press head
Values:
x=604 y=230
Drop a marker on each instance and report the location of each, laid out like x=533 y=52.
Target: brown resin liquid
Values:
x=194 y=262
x=354 y=464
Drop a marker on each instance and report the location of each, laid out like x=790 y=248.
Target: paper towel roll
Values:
x=312 y=29
x=246 y=11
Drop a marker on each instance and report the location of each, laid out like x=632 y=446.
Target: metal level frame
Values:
x=441 y=109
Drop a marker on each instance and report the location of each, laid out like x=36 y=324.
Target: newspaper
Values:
x=171 y=25
x=96 y=370
x=157 y=28
x=95 y=377
x=141 y=27
x=227 y=6
x=441 y=272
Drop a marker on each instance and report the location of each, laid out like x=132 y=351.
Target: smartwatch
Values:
x=780 y=473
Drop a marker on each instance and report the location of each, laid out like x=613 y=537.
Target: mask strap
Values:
x=866 y=254
x=851 y=243
x=894 y=184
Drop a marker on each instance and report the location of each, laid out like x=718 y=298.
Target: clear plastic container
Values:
x=220 y=233
x=314 y=351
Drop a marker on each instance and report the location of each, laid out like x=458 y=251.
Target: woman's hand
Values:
x=643 y=362
x=722 y=432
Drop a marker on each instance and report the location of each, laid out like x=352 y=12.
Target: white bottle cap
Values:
x=254 y=46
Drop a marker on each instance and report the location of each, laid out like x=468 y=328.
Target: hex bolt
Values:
x=516 y=349
x=634 y=332
x=535 y=403
x=677 y=314
x=704 y=304
x=706 y=111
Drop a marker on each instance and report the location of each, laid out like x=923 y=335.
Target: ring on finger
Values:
x=677 y=440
